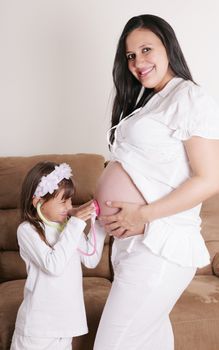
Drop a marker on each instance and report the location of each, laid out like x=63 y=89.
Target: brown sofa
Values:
x=195 y=317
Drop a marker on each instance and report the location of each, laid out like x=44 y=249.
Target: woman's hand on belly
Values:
x=127 y=222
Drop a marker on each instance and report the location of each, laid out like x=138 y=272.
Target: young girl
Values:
x=53 y=247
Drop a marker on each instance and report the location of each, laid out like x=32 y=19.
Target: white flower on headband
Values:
x=49 y=183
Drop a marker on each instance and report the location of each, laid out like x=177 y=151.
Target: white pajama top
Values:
x=53 y=304
x=149 y=145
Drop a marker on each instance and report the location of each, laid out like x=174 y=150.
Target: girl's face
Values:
x=56 y=209
x=147 y=59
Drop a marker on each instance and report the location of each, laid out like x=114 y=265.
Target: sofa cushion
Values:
x=196 y=315
x=11 y=264
x=210 y=230
x=216 y=264
x=11 y=297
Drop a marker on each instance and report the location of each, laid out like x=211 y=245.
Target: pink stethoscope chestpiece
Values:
x=97 y=207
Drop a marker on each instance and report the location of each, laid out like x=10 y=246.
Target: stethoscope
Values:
x=93 y=218
x=60 y=227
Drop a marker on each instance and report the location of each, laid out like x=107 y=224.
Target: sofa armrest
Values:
x=215 y=264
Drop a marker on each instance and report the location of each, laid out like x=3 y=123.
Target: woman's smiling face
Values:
x=147 y=59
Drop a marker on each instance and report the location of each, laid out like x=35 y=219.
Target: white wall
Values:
x=56 y=59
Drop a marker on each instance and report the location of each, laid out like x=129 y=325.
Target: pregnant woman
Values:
x=164 y=143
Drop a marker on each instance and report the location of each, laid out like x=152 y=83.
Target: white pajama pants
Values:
x=144 y=291
x=20 y=342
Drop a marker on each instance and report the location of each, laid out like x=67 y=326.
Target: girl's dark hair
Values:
x=30 y=183
x=127 y=86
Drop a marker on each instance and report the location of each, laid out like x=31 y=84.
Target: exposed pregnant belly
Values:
x=116 y=185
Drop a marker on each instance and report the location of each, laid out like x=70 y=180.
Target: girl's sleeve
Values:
x=86 y=245
x=197 y=114
x=50 y=260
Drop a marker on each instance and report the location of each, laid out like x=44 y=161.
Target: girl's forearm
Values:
x=186 y=196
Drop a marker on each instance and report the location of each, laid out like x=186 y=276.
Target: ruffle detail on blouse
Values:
x=175 y=243
x=183 y=135
x=194 y=114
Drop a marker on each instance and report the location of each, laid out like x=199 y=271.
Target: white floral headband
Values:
x=49 y=183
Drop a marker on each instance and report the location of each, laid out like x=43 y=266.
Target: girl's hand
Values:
x=84 y=212
x=127 y=222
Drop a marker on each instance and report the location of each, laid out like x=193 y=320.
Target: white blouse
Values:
x=53 y=304
x=149 y=145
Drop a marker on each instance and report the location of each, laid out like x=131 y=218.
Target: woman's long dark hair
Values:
x=30 y=183
x=126 y=85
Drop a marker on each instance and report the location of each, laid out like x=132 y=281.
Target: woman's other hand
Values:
x=129 y=221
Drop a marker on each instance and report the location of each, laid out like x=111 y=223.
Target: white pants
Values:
x=144 y=290
x=20 y=342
